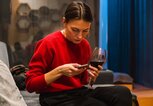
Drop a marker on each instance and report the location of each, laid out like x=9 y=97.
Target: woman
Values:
x=54 y=71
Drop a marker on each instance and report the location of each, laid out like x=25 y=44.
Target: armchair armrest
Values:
x=105 y=77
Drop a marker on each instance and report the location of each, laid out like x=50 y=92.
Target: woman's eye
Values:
x=86 y=31
x=75 y=30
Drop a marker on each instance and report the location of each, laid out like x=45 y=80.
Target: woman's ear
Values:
x=63 y=19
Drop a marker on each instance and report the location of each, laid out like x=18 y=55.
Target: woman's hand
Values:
x=71 y=69
x=94 y=73
x=66 y=69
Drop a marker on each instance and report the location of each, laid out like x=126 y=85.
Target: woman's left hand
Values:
x=94 y=72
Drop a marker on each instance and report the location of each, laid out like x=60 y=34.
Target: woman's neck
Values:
x=63 y=32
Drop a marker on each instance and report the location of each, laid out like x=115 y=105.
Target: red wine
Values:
x=96 y=63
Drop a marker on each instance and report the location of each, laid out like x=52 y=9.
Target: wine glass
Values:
x=98 y=57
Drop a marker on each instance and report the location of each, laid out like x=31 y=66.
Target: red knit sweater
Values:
x=52 y=51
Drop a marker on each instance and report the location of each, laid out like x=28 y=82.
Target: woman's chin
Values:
x=77 y=41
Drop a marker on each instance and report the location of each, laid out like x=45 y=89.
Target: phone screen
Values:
x=83 y=66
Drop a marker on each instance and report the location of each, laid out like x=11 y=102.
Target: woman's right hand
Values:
x=70 y=69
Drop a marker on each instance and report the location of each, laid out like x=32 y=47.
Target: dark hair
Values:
x=78 y=10
x=17 y=46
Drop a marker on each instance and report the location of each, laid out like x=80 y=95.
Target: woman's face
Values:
x=76 y=30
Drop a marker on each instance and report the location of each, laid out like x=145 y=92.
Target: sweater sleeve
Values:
x=84 y=77
x=38 y=65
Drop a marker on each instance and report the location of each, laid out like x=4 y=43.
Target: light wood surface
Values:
x=144 y=95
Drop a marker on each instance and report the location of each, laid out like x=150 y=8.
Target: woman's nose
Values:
x=80 y=35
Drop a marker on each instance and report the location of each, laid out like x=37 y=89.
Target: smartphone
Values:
x=83 y=66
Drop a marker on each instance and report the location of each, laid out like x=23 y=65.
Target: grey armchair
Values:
x=105 y=77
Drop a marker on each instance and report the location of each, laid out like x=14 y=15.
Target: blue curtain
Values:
x=103 y=27
x=130 y=38
x=119 y=35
